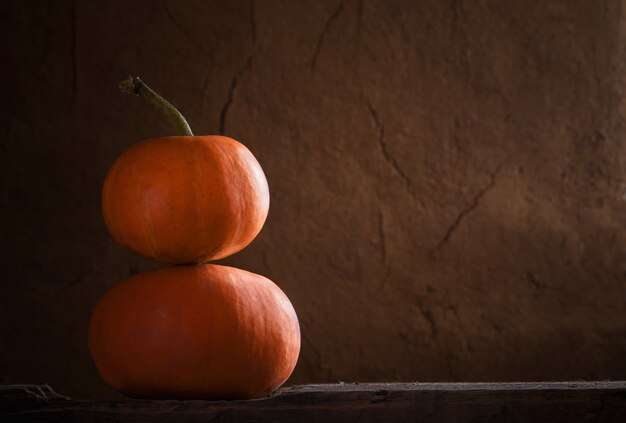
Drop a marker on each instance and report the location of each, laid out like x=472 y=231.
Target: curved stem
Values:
x=134 y=85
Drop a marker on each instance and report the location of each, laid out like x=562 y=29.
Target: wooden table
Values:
x=362 y=402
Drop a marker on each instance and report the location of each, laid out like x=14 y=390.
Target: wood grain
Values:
x=364 y=402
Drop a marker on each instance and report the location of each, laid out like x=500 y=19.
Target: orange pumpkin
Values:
x=203 y=332
x=185 y=199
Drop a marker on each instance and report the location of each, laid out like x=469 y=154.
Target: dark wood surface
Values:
x=367 y=402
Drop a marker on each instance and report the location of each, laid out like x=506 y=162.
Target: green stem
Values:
x=134 y=85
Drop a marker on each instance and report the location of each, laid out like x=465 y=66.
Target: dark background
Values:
x=447 y=177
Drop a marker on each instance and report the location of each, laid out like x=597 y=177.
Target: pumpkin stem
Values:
x=134 y=85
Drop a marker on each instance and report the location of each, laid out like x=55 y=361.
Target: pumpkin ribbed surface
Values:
x=185 y=199
x=203 y=331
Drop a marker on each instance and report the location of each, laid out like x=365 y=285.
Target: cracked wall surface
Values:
x=447 y=178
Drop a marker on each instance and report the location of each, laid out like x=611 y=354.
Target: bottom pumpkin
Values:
x=195 y=332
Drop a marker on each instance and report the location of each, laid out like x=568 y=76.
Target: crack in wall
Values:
x=455 y=311
x=230 y=98
x=564 y=294
x=428 y=316
x=231 y=94
x=381 y=236
x=380 y=129
x=475 y=201
x=530 y=277
x=320 y=40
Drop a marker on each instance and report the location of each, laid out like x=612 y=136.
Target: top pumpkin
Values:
x=185 y=199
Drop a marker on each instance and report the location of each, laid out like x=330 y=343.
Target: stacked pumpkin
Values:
x=193 y=330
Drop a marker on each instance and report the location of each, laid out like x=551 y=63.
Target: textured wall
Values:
x=447 y=177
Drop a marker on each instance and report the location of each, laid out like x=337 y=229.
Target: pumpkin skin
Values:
x=185 y=199
x=195 y=332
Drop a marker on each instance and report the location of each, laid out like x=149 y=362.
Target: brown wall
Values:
x=447 y=177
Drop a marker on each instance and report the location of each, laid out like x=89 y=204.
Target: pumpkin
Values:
x=195 y=332
x=185 y=199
